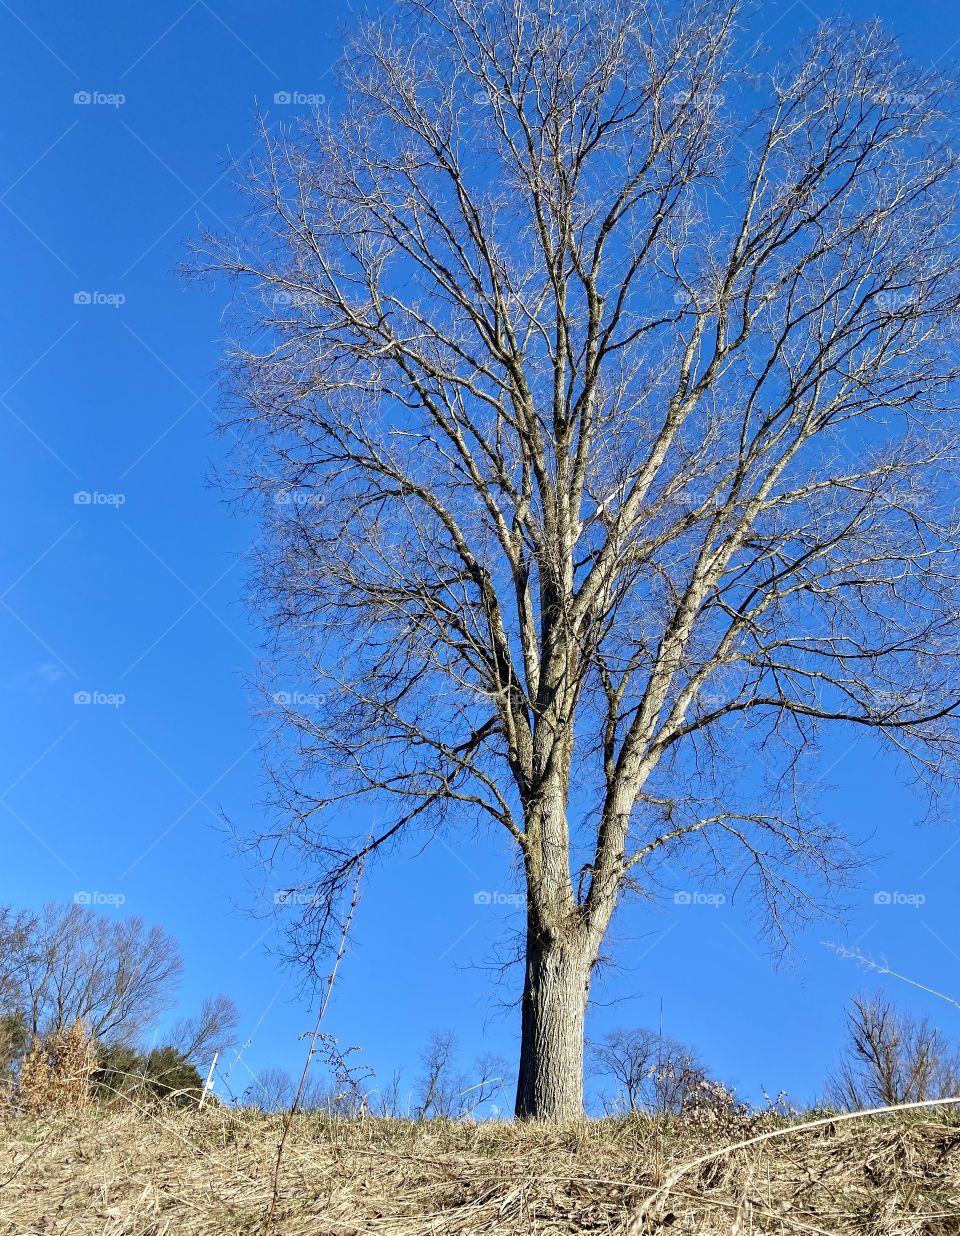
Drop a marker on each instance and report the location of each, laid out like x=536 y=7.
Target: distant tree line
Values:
x=442 y=1089
x=76 y=983
x=888 y=1057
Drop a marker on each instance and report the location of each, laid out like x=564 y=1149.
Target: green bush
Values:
x=163 y=1073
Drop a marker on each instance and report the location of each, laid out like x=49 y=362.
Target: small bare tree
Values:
x=212 y=1030
x=602 y=411
x=444 y=1091
x=656 y=1074
x=17 y=928
x=651 y=1072
x=272 y=1090
x=892 y=1058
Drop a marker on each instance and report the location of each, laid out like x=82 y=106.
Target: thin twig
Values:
x=275 y=1193
x=854 y=954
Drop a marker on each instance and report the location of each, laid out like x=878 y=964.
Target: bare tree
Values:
x=16 y=931
x=387 y=1100
x=892 y=1058
x=651 y=1071
x=444 y=1091
x=70 y=964
x=629 y=1058
x=602 y=415
x=212 y=1030
x=272 y=1090
x=657 y=1074
x=435 y=1084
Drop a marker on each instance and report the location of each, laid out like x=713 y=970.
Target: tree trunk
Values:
x=555 y=989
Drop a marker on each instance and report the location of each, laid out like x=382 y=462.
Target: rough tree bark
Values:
x=602 y=417
x=554 y=1004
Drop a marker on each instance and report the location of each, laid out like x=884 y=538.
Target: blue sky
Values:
x=135 y=597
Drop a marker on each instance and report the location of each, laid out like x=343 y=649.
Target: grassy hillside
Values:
x=163 y=1173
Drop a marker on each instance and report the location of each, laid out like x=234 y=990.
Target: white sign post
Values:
x=208 y=1084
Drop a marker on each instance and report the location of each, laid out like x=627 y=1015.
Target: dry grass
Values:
x=158 y=1172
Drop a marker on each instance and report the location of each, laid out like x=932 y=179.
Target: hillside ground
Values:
x=163 y=1172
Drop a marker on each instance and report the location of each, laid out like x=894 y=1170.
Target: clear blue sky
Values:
x=143 y=597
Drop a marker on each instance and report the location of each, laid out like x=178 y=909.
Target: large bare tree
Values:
x=68 y=963
x=597 y=377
